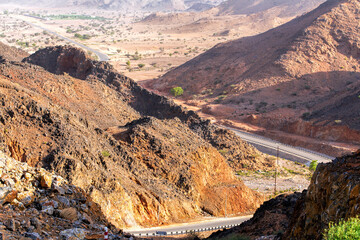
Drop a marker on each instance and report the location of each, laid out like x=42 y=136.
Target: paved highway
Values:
x=265 y=145
x=270 y=146
x=101 y=56
x=218 y=223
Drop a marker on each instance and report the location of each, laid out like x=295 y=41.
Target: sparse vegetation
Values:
x=82 y=36
x=105 y=153
x=313 y=165
x=223 y=151
x=75 y=17
x=344 y=230
x=177 y=91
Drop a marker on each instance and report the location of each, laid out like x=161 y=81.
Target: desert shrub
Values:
x=105 y=153
x=141 y=65
x=313 y=165
x=344 y=230
x=177 y=91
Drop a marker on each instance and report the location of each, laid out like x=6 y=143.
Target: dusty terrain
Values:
x=142 y=45
x=310 y=64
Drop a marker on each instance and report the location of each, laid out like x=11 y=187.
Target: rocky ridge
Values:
x=141 y=158
x=333 y=194
x=311 y=64
x=37 y=204
x=271 y=219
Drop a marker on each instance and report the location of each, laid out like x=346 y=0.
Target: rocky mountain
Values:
x=288 y=8
x=270 y=219
x=143 y=159
x=310 y=64
x=333 y=195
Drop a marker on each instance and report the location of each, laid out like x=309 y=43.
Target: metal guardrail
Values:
x=165 y=233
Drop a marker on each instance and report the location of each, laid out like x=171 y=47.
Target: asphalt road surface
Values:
x=270 y=146
x=218 y=223
x=101 y=56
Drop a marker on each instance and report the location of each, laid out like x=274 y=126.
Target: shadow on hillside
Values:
x=327 y=96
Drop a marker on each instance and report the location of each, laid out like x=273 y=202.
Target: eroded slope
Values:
x=97 y=134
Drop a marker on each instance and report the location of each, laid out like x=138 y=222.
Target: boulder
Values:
x=73 y=234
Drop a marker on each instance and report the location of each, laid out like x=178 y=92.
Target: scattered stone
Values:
x=10 y=224
x=27 y=176
x=52 y=203
x=64 y=201
x=35 y=222
x=73 y=234
x=59 y=189
x=33 y=235
x=48 y=210
x=45 y=181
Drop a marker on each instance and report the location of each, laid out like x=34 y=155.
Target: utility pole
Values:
x=158 y=215
x=276 y=166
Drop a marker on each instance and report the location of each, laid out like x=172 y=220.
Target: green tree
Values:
x=177 y=91
x=344 y=230
x=128 y=63
x=141 y=65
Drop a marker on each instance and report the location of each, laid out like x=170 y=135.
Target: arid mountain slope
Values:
x=333 y=195
x=289 y=7
x=12 y=53
x=245 y=18
x=136 y=154
x=307 y=64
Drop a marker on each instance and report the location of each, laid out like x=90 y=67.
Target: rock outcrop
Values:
x=140 y=157
x=270 y=220
x=36 y=204
x=333 y=194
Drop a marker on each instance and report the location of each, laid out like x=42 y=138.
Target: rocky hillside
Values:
x=243 y=18
x=333 y=194
x=270 y=220
x=36 y=204
x=288 y=8
x=311 y=64
x=11 y=53
x=136 y=154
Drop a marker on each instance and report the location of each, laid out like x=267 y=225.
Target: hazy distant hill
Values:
x=147 y=5
x=290 y=7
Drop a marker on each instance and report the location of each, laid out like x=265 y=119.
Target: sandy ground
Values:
x=292 y=177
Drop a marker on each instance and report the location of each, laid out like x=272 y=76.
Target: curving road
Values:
x=101 y=56
x=270 y=146
x=263 y=144
x=210 y=225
